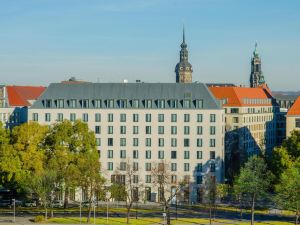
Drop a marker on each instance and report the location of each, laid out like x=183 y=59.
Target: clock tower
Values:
x=183 y=69
x=257 y=78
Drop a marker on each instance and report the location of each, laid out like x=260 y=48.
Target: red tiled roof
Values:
x=236 y=96
x=295 y=109
x=21 y=95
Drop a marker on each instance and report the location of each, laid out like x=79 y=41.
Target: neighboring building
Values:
x=184 y=69
x=14 y=103
x=250 y=123
x=256 y=78
x=180 y=124
x=293 y=118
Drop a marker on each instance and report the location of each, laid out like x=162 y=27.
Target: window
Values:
x=148 y=104
x=110 y=129
x=212 y=142
x=199 y=142
x=72 y=103
x=297 y=123
x=173 y=142
x=97 y=103
x=48 y=103
x=97 y=130
x=160 y=129
x=135 y=142
x=122 y=103
x=135 y=103
x=173 y=166
x=72 y=117
x=161 y=142
x=199 y=118
x=135 y=179
x=110 y=117
x=186 y=142
x=235 y=119
x=148 y=166
x=85 y=117
x=148 y=142
x=110 y=166
x=135 y=130
x=212 y=154
x=186 y=117
x=122 y=141
x=186 y=104
x=199 y=154
x=59 y=103
x=234 y=110
x=173 y=179
x=212 y=130
x=135 y=166
x=199 y=130
x=160 y=117
x=122 y=154
x=123 y=166
x=186 y=155
x=135 y=117
x=161 y=154
x=173 y=130
x=110 y=103
x=186 y=130
x=148 y=117
x=60 y=117
x=199 y=103
x=173 y=154
x=148 y=154
x=173 y=118
x=212 y=167
x=98 y=141
x=135 y=154
x=148 y=178
x=97 y=117
x=199 y=179
x=186 y=167
x=122 y=117
x=148 y=129
x=35 y=116
x=199 y=167
x=173 y=103
x=84 y=103
x=110 y=154
x=47 y=117
x=160 y=103
x=212 y=118
x=122 y=129
x=110 y=142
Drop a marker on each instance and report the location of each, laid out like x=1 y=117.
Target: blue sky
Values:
x=43 y=41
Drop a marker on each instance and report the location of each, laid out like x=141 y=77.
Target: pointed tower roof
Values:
x=183 y=45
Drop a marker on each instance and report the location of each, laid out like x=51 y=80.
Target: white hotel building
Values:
x=181 y=124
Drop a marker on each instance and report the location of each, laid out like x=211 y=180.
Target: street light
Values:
x=107 y=199
x=14 y=204
x=80 y=210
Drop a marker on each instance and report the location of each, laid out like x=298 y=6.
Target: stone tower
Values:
x=256 y=78
x=183 y=69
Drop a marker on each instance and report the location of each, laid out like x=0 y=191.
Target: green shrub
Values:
x=39 y=219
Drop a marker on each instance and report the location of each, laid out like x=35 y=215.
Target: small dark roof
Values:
x=130 y=91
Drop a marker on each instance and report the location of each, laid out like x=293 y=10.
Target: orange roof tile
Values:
x=21 y=95
x=242 y=96
x=295 y=109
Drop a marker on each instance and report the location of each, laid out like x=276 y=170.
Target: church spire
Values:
x=183 y=69
x=256 y=78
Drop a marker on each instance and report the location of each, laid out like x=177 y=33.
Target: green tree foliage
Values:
x=118 y=192
x=288 y=190
x=253 y=181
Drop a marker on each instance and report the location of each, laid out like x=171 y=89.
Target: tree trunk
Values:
x=46 y=213
x=88 y=220
x=209 y=214
x=66 y=200
x=127 y=215
x=168 y=215
x=297 y=217
x=252 y=209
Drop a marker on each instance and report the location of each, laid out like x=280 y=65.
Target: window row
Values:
x=123 y=103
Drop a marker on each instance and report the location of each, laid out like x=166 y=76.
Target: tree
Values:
x=253 y=181
x=168 y=188
x=210 y=187
x=89 y=177
x=128 y=180
x=288 y=190
x=118 y=192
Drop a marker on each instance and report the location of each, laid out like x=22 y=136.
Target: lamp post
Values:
x=107 y=199
x=80 y=205
x=14 y=204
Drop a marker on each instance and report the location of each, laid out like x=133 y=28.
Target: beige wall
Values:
x=291 y=124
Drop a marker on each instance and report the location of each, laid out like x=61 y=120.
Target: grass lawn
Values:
x=112 y=221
